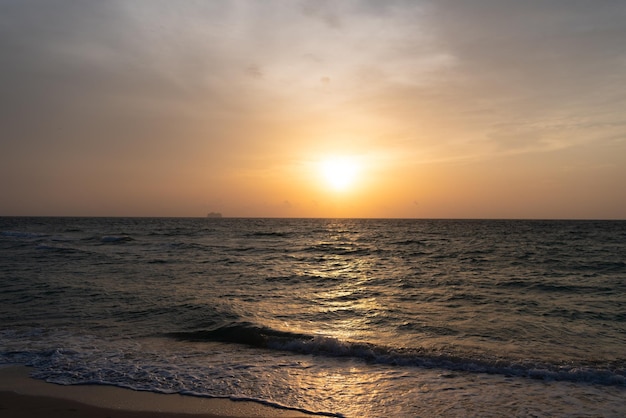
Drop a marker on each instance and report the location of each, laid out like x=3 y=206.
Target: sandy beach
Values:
x=24 y=397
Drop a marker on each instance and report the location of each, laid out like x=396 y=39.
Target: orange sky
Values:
x=450 y=109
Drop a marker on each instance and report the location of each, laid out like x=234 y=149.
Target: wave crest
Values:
x=253 y=335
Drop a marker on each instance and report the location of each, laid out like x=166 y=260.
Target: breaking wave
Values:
x=249 y=334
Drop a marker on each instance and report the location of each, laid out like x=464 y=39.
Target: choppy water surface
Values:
x=343 y=317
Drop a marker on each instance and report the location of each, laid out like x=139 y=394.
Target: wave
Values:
x=58 y=249
x=246 y=333
x=22 y=235
x=276 y=234
x=241 y=333
x=77 y=367
x=338 y=249
x=304 y=278
x=409 y=242
x=115 y=239
x=554 y=287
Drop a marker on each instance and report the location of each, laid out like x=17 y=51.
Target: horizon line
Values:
x=223 y=217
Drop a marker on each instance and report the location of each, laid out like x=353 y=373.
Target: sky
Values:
x=434 y=108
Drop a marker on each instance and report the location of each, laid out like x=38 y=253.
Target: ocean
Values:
x=337 y=317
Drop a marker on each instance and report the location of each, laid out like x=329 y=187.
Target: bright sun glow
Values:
x=340 y=173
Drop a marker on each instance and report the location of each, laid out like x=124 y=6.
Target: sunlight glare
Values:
x=340 y=173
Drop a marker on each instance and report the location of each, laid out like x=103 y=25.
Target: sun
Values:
x=339 y=173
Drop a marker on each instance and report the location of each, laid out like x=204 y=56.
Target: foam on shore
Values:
x=24 y=396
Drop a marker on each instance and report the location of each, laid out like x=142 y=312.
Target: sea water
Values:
x=339 y=317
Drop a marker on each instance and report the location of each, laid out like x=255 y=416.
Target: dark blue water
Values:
x=345 y=317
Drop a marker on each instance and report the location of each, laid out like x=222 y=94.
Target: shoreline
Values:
x=22 y=396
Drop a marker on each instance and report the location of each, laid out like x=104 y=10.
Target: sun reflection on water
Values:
x=346 y=302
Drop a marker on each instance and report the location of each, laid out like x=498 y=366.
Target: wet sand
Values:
x=24 y=397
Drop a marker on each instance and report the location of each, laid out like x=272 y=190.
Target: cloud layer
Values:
x=130 y=106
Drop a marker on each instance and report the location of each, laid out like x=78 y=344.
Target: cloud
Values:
x=322 y=10
x=254 y=71
x=516 y=76
x=143 y=88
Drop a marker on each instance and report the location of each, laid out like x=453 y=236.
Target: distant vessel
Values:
x=214 y=215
